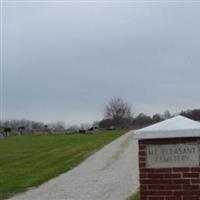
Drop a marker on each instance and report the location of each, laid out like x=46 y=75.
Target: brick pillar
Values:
x=170 y=183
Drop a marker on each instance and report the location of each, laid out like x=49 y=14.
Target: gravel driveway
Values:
x=110 y=174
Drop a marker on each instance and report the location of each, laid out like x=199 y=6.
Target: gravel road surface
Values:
x=110 y=174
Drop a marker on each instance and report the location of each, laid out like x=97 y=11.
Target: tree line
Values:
x=118 y=114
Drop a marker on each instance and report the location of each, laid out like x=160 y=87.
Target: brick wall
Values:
x=168 y=183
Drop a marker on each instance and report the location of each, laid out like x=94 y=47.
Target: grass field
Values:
x=28 y=161
x=134 y=197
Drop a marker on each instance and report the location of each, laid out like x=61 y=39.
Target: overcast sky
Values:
x=64 y=61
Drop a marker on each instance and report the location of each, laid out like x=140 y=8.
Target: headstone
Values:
x=1 y=136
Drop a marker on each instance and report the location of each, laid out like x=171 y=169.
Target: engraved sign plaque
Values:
x=172 y=155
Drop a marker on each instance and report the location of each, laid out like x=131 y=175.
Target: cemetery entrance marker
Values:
x=169 y=160
x=172 y=155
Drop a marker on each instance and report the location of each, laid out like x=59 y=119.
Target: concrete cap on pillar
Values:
x=176 y=127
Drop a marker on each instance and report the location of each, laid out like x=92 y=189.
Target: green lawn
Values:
x=136 y=196
x=28 y=161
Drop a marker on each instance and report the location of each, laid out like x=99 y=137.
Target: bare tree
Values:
x=119 y=111
x=72 y=129
x=57 y=126
x=85 y=126
x=166 y=115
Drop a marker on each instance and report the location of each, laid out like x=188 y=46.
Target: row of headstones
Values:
x=7 y=132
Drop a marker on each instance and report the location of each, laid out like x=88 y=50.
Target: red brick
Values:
x=173 y=187
x=156 y=198
x=156 y=176
x=147 y=170
x=195 y=169
x=143 y=187
x=142 y=153
x=181 y=169
x=190 y=187
x=143 y=175
x=195 y=181
x=187 y=193
x=172 y=176
x=190 y=198
x=181 y=183
x=142 y=159
x=142 y=164
x=157 y=181
x=157 y=193
x=191 y=175
x=156 y=187
x=173 y=198
x=164 y=170
x=142 y=147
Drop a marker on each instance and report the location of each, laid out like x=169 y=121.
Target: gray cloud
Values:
x=65 y=62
